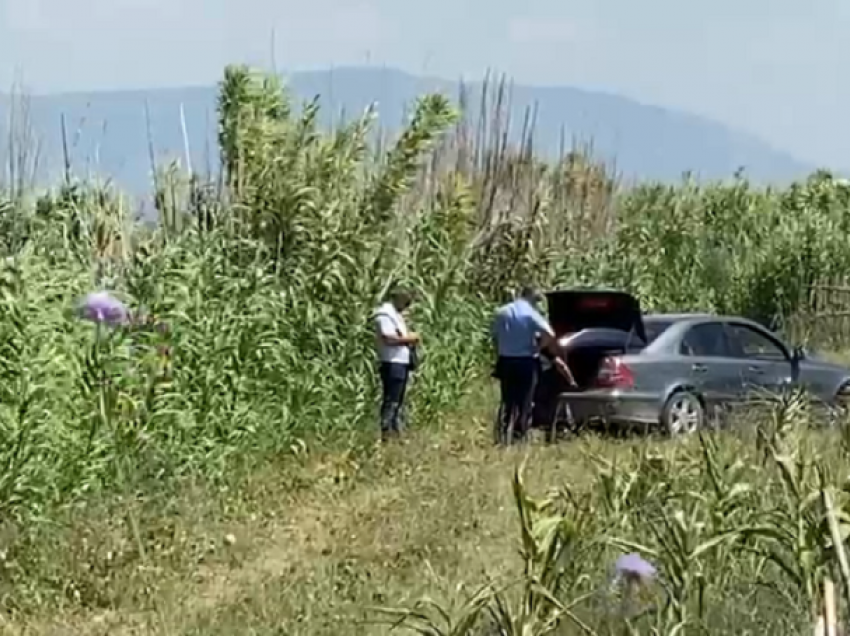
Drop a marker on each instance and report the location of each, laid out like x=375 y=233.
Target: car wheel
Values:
x=683 y=414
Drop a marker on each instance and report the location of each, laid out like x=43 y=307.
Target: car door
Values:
x=767 y=362
x=714 y=372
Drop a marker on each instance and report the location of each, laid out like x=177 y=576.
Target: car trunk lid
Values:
x=572 y=311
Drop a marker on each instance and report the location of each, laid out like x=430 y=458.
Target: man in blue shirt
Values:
x=520 y=332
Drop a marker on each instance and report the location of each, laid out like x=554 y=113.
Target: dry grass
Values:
x=273 y=559
x=307 y=547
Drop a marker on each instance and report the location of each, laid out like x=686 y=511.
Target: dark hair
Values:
x=401 y=295
x=530 y=292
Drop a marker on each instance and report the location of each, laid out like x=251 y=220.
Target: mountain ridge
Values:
x=645 y=141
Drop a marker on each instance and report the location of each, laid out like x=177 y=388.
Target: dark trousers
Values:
x=518 y=379
x=394 y=383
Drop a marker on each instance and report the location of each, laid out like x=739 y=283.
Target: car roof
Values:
x=680 y=323
x=699 y=317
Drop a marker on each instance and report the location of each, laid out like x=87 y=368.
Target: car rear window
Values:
x=655 y=328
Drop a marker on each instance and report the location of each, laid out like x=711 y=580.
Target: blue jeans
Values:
x=517 y=379
x=394 y=384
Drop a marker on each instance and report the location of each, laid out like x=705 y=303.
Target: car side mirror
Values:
x=799 y=353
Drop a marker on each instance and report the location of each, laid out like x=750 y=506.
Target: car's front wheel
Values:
x=683 y=414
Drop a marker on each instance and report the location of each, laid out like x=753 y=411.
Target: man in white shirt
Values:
x=394 y=344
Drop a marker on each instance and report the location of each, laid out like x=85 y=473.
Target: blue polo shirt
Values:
x=515 y=329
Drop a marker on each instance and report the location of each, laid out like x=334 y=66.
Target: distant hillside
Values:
x=109 y=128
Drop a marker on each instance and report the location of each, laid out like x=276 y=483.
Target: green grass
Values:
x=222 y=475
x=308 y=547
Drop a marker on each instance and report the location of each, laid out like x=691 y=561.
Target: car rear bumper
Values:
x=614 y=406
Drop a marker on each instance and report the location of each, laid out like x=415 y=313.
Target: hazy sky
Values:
x=777 y=67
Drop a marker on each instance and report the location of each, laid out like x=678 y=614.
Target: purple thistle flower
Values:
x=632 y=575
x=103 y=308
x=634 y=567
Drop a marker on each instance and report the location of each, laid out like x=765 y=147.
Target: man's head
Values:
x=530 y=294
x=401 y=298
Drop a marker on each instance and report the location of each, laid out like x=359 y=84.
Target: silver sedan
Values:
x=679 y=372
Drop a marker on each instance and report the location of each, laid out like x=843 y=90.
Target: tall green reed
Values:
x=268 y=278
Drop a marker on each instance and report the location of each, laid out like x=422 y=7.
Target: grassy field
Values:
x=215 y=470
x=316 y=545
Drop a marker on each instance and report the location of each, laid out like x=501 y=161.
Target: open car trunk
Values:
x=593 y=324
x=589 y=325
x=585 y=351
x=572 y=311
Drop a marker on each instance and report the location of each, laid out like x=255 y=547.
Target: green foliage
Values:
x=267 y=285
x=739 y=546
x=267 y=306
x=733 y=249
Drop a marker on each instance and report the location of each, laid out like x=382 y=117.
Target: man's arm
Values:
x=554 y=350
x=546 y=335
x=391 y=337
x=563 y=368
x=549 y=344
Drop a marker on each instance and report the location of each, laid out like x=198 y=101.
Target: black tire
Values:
x=683 y=414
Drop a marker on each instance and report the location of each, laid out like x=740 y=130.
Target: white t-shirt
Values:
x=388 y=322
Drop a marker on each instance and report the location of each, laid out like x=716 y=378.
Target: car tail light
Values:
x=615 y=374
